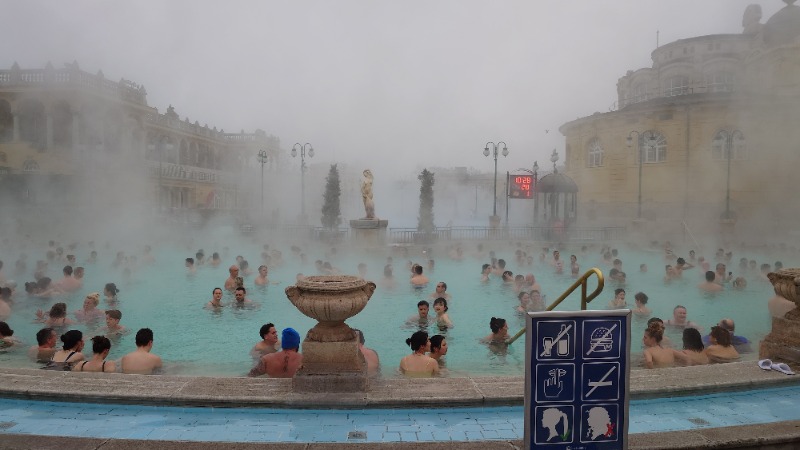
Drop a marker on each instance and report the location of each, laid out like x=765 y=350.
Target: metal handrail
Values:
x=585 y=299
x=689 y=232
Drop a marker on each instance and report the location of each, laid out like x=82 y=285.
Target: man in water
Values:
x=42 y=353
x=269 y=342
x=441 y=291
x=141 y=361
x=282 y=364
x=679 y=319
x=231 y=283
x=421 y=319
x=740 y=343
x=370 y=355
x=709 y=285
x=68 y=283
x=241 y=300
x=418 y=279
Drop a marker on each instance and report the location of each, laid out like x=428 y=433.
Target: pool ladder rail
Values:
x=585 y=299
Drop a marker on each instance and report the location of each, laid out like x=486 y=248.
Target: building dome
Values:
x=783 y=28
x=556 y=182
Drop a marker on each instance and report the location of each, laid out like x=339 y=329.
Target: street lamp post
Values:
x=262 y=158
x=729 y=137
x=495 y=148
x=640 y=148
x=303 y=173
x=536 y=192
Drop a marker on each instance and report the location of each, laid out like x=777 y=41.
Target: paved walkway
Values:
x=371 y=425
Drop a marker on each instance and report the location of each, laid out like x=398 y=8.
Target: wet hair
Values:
x=71 y=338
x=190 y=261
x=613 y=272
x=436 y=341
x=441 y=301
x=485 y=266
x=521 y=293
x=43 y=283
x=444 y=285
x=215 y=290
x=710 y=275
x=259 y=267
x=112 y=288
x=654 y=319
x=679 y=307
x=199 y=255
x=618 y=291
x=114 y=314
x=241 y=288
x=692 y=340
x=143 y=337
x=501 y=263
x=215 y=255
x=360 y=335
x=721 y=335
x=6 y=330
x=418 y=269
x=727 y=324
x=617 y=261
x=681 y=261
x=58 y=310
x=641 y=297
x=496 y=323
x=778 y=265
x=43 y=335
x=244 y=265
x=423 y=303
x=100 y=344
x=265 y=329
x=655 y=330
x=68 y=270
x=417 y=340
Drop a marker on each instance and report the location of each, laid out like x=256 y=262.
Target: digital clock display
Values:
x=521 y=186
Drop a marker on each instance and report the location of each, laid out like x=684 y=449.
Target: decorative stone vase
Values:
x=330 y=299
x=787 y=284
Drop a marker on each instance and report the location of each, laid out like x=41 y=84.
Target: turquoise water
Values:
x=371 y=425
x=195 y=341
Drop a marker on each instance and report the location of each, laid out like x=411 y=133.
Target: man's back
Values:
x=141 y=362
x=283 y=364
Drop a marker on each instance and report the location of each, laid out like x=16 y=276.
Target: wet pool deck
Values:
x=386 y=393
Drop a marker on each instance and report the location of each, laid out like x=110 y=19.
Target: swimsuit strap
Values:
x=70 y=356
x=103 y=367
x=84 y=363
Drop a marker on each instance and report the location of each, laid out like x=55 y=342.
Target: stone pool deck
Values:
x=387 y=393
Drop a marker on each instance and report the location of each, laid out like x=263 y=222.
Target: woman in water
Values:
x=438 y=349
x=524 y=298
x=418 y=364
x=111 y=291
x=692 y=354
x=655 y=355
x=100 y=346
x=57 y=317
x=721 y=349
x=499 y=329
x=70 y=352
x=442 y=319
x=6 y=333
x=90 y=312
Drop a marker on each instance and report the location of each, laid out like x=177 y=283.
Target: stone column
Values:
x=783 y=342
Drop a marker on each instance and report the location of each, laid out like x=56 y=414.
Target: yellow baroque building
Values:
x=709 y=134
x=71 y=138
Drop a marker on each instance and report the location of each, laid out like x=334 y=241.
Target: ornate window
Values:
x=595 y=153
x=677 y=85
x=30 y=166
x=652 y=147
x=729 y=143
x=720 y=81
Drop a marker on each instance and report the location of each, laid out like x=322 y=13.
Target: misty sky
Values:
x=392 y=85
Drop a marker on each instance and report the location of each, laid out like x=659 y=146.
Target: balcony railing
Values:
x=572 y=234
x=71 y=76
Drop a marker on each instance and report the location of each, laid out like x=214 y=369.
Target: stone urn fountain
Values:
x=783 y=342
x=332 y=361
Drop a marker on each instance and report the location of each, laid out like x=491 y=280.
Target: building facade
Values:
x=66 y=133
x=709 y=132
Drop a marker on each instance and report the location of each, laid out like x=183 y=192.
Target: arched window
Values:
x=30 y=166
x=720 y=81
x=6 y=122
x=653 y=147
x=729 y=144
x=676 y=85
x=32 y=124
x=595 y=153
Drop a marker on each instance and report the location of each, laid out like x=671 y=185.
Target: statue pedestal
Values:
x=494 y=221
x=331 y=367
x=369 y=232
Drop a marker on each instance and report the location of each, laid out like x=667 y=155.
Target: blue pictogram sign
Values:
x=576 y=392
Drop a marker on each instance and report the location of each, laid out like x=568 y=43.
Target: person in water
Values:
x=655 y=355
x=418 y=364
x=282 y=364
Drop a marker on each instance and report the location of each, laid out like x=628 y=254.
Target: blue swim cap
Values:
x=290 y=339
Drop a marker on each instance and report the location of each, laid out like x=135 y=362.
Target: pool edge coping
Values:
x=33 y=384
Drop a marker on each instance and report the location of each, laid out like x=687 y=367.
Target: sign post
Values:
x=577 y=380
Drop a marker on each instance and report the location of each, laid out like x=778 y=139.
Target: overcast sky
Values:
x=392 y=85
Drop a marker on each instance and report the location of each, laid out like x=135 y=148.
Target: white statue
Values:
x=366 y=194
x=751 y=21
